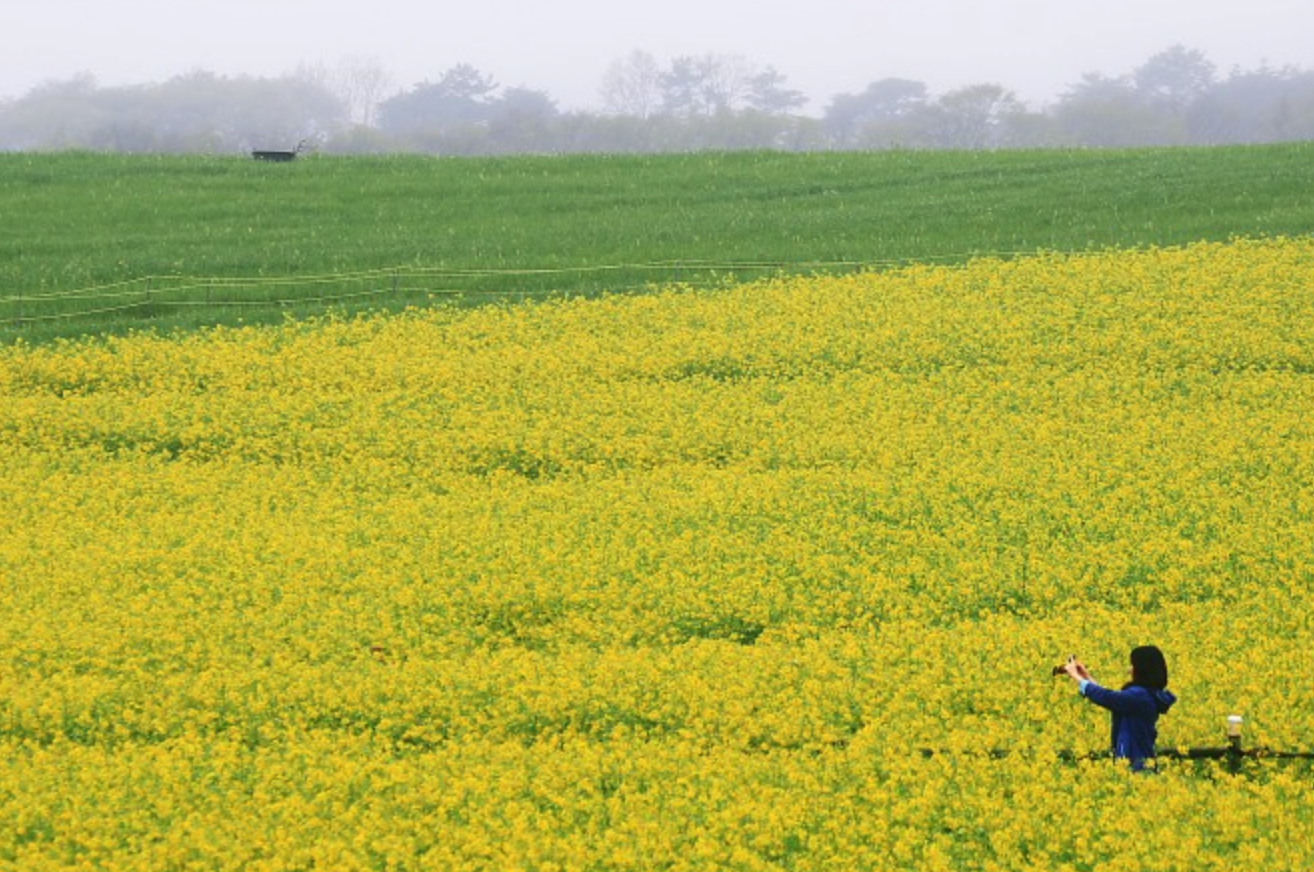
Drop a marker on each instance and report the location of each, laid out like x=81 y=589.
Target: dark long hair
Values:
x=1149 y=669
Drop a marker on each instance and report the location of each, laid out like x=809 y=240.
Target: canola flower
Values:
x=681 y=581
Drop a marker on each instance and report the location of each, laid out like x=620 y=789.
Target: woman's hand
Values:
x=1076 y=670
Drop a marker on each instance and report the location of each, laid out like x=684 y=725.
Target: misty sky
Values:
x=823 y=47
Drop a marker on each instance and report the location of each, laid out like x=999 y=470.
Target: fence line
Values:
x=92 y=291
x=1224 y=752
x=96 y=291
x=1232 y=755
x=164 y=292
x=154 y=291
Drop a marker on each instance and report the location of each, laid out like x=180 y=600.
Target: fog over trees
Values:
x=689 y=102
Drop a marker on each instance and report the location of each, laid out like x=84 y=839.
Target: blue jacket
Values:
x=1135 y=713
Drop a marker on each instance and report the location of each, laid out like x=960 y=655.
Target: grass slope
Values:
x=77 y=220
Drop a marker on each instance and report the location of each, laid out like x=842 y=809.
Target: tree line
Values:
x=693 y=102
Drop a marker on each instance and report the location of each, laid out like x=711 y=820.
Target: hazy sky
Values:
x=823 y=47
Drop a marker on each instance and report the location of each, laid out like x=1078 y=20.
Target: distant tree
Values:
x=1104 y=112
x=1262 y=105
x=1293 y=114
x=358 y=82
x=686 y=87
x=694 y=86
x=199 y=111
x=463 y=96
x=54 y=114
x=767 y=92
x=727 y=82
x=973 y=117
x=708 y=85
x=521 y=121
x=1151 y=106
x=525 y=102
x=632 y=86
x=465 y=82
x=876 y=113
x=1173 y=79
x=1097 y=86
x=362 y=83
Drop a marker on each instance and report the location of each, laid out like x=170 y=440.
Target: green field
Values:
x=463 y=228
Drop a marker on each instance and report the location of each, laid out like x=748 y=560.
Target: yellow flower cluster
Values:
x=767 y=577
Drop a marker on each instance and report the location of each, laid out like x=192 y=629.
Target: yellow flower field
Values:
x=767 y=577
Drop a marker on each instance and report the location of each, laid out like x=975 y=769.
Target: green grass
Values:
x=80 y=220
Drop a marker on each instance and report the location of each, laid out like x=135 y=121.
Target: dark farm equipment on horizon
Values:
x=279 y=156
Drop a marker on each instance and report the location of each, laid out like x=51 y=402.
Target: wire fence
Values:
x=1230 y=754
x=1233 y=754
x=160 y=295
x=154 y=295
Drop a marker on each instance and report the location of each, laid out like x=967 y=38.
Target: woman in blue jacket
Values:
x=1136 y=708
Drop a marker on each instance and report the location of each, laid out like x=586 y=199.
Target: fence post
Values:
x=1234 y=724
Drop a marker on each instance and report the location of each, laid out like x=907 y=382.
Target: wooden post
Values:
x=1234 y=723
